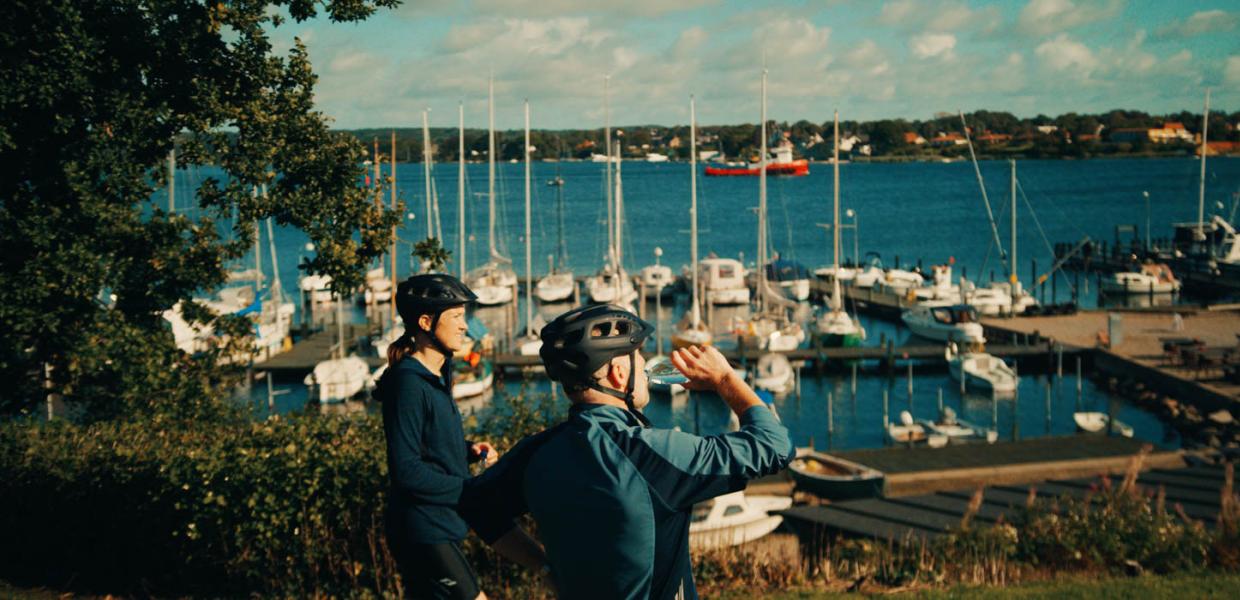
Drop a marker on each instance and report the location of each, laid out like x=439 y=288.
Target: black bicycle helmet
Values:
x=430 y=294
x=579 y=342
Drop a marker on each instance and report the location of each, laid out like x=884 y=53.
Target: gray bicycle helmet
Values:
x=580 y=341
x=430 y=294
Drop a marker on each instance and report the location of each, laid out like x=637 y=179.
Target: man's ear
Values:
x=618 y=373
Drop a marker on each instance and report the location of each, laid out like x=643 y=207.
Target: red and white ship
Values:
x=783 y=164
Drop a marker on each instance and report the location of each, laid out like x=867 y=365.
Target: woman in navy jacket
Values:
x=426 y=447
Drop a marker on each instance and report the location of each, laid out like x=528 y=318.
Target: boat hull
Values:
x=862 y=482
x=795 y=168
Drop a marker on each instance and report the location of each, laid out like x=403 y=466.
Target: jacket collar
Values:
x=436 y=379
x=603 y=412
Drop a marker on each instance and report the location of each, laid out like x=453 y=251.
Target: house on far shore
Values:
x=948 y=139
x=1219 y=148
x=1171 y=131
x=913 y=139
x=994 y=138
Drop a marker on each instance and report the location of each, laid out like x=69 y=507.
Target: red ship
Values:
x=782 y=165
x=795 y=168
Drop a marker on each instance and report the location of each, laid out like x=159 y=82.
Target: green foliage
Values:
x=431 y=253
x=95 y=95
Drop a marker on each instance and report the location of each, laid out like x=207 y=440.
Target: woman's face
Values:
x=451 y=328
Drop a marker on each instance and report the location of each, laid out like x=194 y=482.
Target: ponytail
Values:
x=399 y=349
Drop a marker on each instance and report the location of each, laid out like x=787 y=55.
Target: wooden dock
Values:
x=930 y=514
x=313 y=349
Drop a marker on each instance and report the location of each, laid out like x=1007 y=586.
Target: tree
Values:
x=95 y=94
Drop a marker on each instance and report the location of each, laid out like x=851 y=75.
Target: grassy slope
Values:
x=1176 y=587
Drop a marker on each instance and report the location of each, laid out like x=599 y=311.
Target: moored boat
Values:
x=834 y=478
x=733 y=519
x=1100 y=422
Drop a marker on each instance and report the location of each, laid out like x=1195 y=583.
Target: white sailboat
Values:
x=494 y=281
x=530 y=343
x=1100 y=422
x=1153 y=278
x=558 y=285
x=691 y=331
x=836 y=328
x=340 y=377
x=611 y=285
x=772 y=327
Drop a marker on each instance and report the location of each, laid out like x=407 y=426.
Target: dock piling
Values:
x=830 y=415
x=885 y=419
x=1078 y=383
x=940 y=401
x=1048 y=407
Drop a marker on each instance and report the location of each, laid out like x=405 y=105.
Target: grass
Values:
x=1174 y=587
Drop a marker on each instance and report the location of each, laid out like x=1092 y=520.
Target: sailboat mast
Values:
x=990 y=215
x=835 y=192
x=1201 y=191
x=460 y=188
x=1014 y=279
x=762 y=204
x=611 y=235
x=426 y=170
x=693 y=224
x=619 y=227
x=491 y=165
x=529 y=264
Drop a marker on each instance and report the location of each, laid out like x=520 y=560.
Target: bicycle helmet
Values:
x=430 y=293
x=579 y=342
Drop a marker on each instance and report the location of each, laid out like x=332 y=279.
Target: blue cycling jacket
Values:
x=426 y=453
x=612 y=499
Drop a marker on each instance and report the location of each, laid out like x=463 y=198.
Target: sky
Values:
x=868 y=59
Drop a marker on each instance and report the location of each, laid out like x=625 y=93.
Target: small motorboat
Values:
x=316 y=287
x=724 y=281
x=834 y=478
x=775 y=374
x=1097 y=422
x=733 y=519
x=957 y=430
x=657 y=280
x=610 y=287
x=687 y=334
x=338 y=379
x=944 y=322
x=1153 y=278
x=472 y=377
x=980 y=370
x=908 y=431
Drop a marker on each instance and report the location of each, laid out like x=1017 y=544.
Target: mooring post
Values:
x=910 y=386
x=940 y=402
x=1078 y=383
x=830 y=414
x=885 y=419
x=1048 y=407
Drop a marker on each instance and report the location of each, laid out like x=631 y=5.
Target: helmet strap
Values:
x=627 y=394
x=435 y=341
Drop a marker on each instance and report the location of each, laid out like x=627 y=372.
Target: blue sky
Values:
x=869 y=59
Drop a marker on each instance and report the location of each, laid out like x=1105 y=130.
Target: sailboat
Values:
x=340 y=377
x=836 y=328
x=530 y=343
x=494 y=281
x=611 y=285
x=691 y=331
x=771 y=326
x=559 y=284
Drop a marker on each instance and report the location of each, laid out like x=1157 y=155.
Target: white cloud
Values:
x=1231 y=72
x=549 y=8
x=1044 y=17
x=930 y=45
x=1065 y=54
x=689 y=42
x=1199 y=23
x=950 y=15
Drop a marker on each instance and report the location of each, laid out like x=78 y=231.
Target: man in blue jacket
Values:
x=611 y=495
